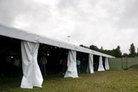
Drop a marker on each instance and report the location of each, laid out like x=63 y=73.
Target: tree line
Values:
x=116 y=51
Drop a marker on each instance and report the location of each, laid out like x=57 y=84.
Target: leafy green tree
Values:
x=93 y=47
x=114 y=52
x=102 y=48
x=137 y=52
x=118 y=52
x=125 y=55
x=132 y=50
x=83 y=46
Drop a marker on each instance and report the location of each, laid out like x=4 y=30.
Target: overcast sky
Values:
x=106 y=23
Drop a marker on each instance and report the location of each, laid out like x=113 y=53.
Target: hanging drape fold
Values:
x=31 y=71
x=91 y=63
x=106 y=64
x=71 y=65
x=101 y=68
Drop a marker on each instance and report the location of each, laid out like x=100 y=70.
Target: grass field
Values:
x=108 y=81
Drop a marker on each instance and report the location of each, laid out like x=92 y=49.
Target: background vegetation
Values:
x=115 y=52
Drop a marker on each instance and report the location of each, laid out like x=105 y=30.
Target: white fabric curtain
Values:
x=100 y=68
x=91 y=63
x=31 y=71
x=71 y=65
x=106 y=64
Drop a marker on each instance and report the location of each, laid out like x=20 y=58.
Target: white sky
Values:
x=106 y=23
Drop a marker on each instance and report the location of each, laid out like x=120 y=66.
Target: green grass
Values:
x=108 y=81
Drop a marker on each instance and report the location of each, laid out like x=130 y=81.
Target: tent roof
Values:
x=27 y=36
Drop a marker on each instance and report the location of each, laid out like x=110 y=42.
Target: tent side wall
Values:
x=101 y=68
x=91 y=68
x=31 y=71
x=71 y=65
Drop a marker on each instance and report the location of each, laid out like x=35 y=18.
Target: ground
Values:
x=108 y=81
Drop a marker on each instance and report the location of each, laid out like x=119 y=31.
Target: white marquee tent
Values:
x=29 y=50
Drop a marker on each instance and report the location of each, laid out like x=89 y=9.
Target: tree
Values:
x=132 y=50
x=101 y=48
x=83 y=46
x=93 y=47
x=136 y=51
x=118 y=52
x=114 y=52
x=125 y=55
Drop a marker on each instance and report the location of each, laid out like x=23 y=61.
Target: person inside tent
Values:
x=78 y=65
x=42 y=64
x=63 y=63
x=16 y=65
